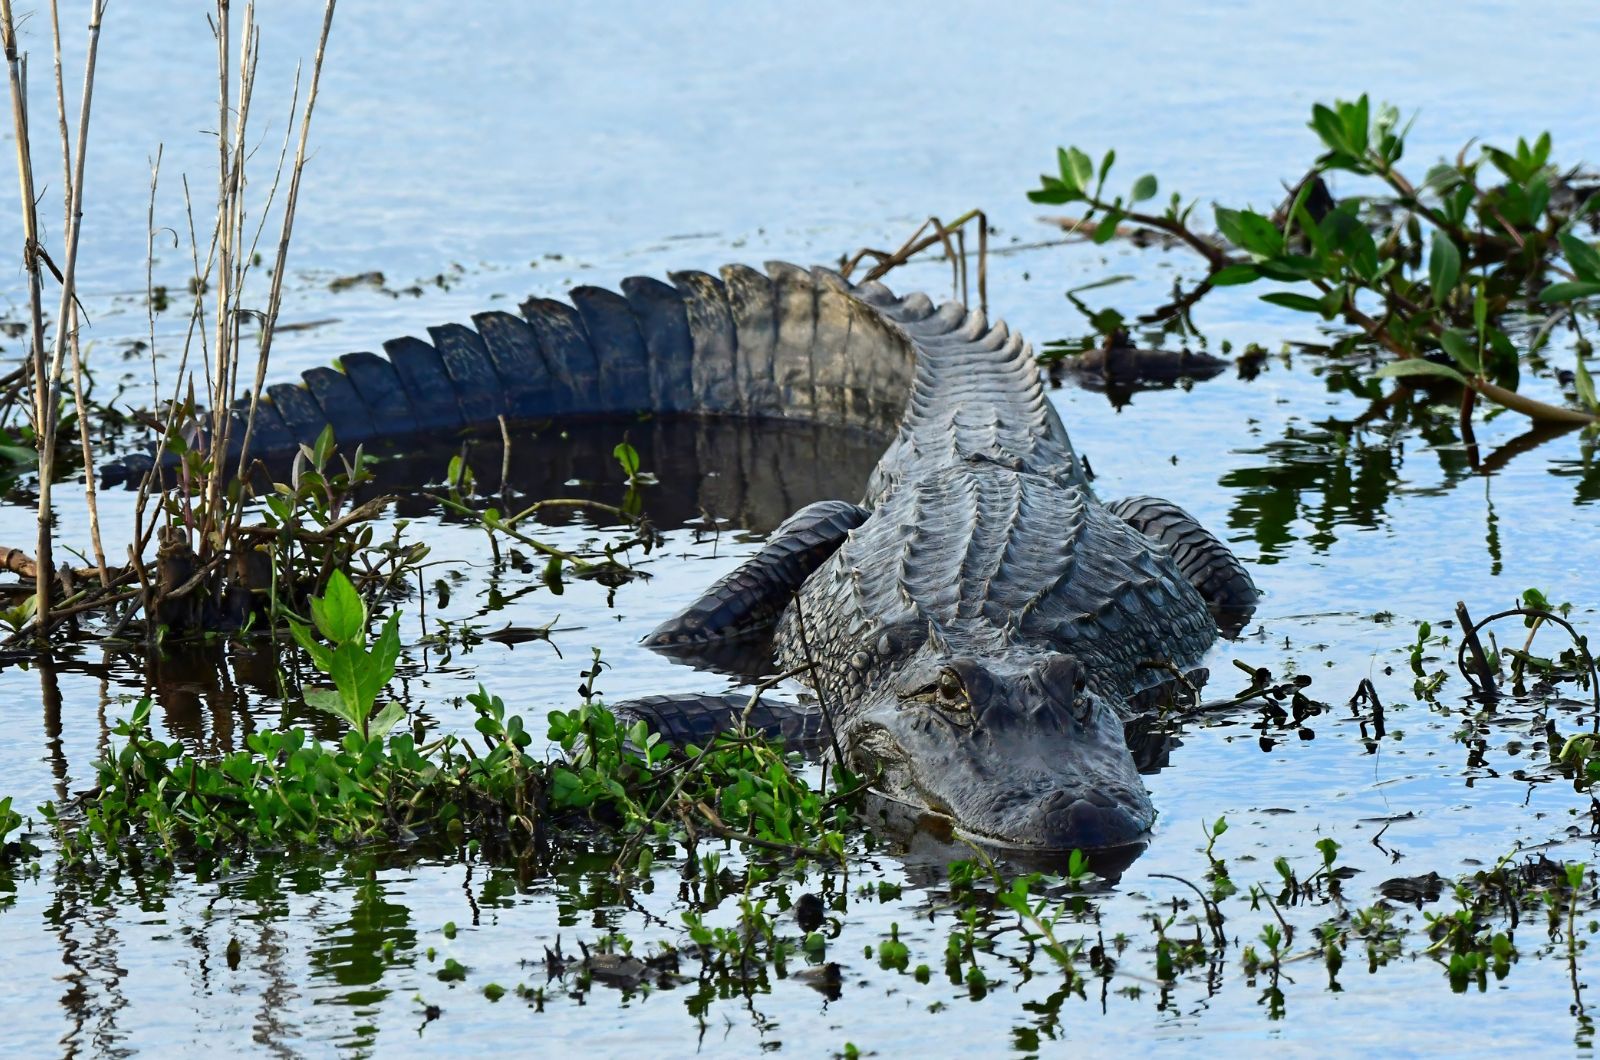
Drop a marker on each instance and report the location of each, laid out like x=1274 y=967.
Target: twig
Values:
x=769 y=683
x=1213 y=914
x=20 y=563
x=817 y=682
x=724 y=832
x=572 y=502
x=1469 y=640
x=275 y=297
x=887 y=261
x=505 y=454
x=1531 y=612
x=66 y=331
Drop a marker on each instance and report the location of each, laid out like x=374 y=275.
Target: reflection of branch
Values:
x=1542 y=431
x=1179 y=306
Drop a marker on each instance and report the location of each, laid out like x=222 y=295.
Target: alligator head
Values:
x=1011 y=745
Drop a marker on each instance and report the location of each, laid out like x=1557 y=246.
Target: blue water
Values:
x=516 y=150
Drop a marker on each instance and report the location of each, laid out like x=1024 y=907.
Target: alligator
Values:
x=975 y=633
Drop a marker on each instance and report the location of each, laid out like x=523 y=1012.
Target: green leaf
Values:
x=1250 y=231
x=1105 y=167
x=1079 y=168
x=1290 y=268
x=1053 y=192
x=1460 y=348
x=1443 y=177
x=1582 y=256
x=1444 y=266
x=1418 y=366
x=329 y=703
x=1290 y=300
x=1356 y=123
x=1567 y=290
x=1457 y=203
x=1069 y=180
x=1144 y=188
x=1326 y=124
x=1106 y=229
x=349 y=670
x=321 y=656
x=1232 y=275
x=628 y=457
x=19 y=455
x=386 y=651
x=1538 y=198
x=385 y=720
x=340 y=613
x=324 y=447
x=1585 y=385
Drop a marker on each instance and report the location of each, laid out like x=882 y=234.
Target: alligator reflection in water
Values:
x=749 y=474
x=742 y=475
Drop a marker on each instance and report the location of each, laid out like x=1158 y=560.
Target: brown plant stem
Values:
x=17 y=72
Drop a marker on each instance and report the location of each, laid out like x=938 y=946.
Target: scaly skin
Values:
x=979 y=629
x=980 y=636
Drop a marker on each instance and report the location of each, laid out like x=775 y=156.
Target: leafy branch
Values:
x=1435 y=272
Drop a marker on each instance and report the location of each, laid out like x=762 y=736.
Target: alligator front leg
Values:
x=1205 y=562
x=696 y=719
x=749 y=600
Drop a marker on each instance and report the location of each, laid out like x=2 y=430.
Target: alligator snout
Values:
x=1086 y=821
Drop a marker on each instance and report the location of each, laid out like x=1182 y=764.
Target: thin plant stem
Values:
x=17 y=72
x=67 y=331
x=275 y=297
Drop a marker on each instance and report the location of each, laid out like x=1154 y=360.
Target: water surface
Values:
x=480 y=154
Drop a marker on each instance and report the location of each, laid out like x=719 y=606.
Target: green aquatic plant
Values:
x=605 y=564
x=11 y=823
x=359 y=673
x=382 y=781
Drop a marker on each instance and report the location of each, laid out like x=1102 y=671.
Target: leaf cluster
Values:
x=1440 y=273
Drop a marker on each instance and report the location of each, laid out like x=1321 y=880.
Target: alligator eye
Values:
x=952 y=693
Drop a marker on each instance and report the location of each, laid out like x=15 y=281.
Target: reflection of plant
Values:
x=1486 y=245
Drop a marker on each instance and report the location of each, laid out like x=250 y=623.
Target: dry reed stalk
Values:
x=213 y=522
x=66 y=316
x=886 y=261
x=231 y=264
x=72 y=205
x=17 y=71
x=275 y=297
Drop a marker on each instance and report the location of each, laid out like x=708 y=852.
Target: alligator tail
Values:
x=791 y=344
